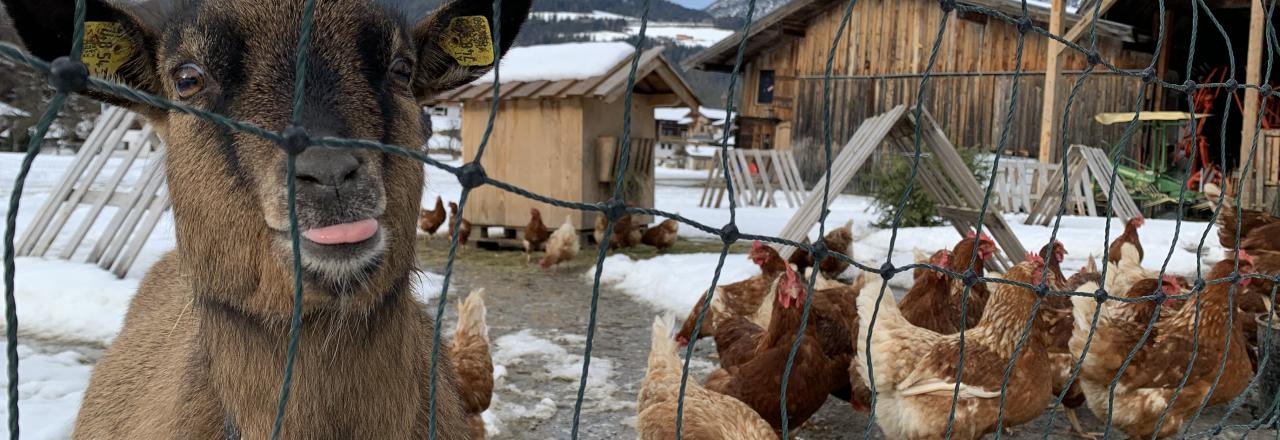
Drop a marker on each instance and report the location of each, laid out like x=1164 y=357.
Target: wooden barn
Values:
x=559 y=127
x=880 y=62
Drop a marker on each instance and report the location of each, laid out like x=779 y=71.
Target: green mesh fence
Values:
x=472 y=175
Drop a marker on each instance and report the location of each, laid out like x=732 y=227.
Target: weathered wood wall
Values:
x=888 y=44
x=971 y=110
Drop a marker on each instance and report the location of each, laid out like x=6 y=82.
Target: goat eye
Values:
x=401 y=71
x=188 y=80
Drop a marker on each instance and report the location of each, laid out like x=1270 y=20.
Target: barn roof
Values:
x=791 y=21
x=590 y=78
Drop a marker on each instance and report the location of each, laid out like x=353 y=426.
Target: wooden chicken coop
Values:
x=559 y=128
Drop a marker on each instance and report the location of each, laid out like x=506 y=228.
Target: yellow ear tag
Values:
x=468 y=40
x=106 y=47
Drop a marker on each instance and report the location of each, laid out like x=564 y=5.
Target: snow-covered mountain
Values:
x=738 y=8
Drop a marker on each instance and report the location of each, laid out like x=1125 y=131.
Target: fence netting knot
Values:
x=68 y=76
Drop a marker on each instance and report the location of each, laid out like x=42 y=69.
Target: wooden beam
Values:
x=1049 y=113
x=1162 y=58
x=1252 y=75
x=1082 y=26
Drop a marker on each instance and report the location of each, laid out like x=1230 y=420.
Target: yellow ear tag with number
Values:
x=106 y=47
x=467 y=40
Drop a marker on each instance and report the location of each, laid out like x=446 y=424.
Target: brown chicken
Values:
x=758 y=381
x=663 y=236
x=935 y=301
x=1160 y=364
x=1258 y=230
x=624 y=233
x=1124 y=259
x=926 y=259
x=535 y=234
x=1130 y=237
x=429 y=221
x=472 y=362
x=838 y=240
x=833 y=320
x=1254 y=300
x=1087 y=274
x=930 y=295
x=1053 y=254
x=915 y=368
x=708 y=415
x=464 y=226
x=1056 y=320
x=742 y=298
x=961 y=254
x=562 y=246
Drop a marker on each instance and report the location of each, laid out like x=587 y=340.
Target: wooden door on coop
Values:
x=135 y=189
x=638 y=187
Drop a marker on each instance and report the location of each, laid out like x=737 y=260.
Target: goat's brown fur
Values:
x=204 y=341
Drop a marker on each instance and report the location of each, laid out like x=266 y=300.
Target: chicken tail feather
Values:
x=471 y=316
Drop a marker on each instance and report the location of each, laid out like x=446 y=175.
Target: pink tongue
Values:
x=354 y=232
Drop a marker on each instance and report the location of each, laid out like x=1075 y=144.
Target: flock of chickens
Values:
x=562 y=244
x=915 y=343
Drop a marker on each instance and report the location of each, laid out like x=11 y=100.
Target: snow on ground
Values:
x=548 y=358
x=671 y=283
x=593 y=15
x=50 y=388
x=572 y=61
x=670 y=174
x=684 y=35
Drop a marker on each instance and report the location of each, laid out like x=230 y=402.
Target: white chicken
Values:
x=562 y=246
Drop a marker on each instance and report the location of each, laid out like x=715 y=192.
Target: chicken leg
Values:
x=1077 y=429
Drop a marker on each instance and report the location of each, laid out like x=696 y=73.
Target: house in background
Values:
x=559 y=127
x=680 y=128
x=673 y=134
x=880 y=63
x=446 y=127
x=8 y=114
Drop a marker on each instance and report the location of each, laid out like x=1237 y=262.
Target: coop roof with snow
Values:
x=558 y=71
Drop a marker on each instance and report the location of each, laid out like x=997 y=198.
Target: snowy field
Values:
x=69 y=310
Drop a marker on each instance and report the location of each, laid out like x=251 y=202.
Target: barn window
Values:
x=764 y=95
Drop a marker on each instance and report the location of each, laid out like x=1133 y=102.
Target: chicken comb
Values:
x=756 y=245
x=1036 y=258
x=1245 y=257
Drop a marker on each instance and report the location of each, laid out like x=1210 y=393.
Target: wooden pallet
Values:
x=776 y=172
x=139 y=207
x=1085 y=166
x=1019 y=184
x=943 y=175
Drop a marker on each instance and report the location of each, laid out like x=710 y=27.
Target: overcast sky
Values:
x=693 y=4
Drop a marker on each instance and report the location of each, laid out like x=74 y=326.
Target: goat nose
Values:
x=326 y=166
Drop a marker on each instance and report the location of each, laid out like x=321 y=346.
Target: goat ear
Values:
x=455 y=44
x=119 y=44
